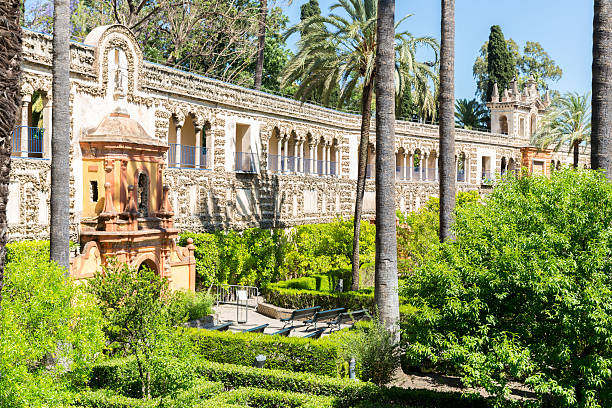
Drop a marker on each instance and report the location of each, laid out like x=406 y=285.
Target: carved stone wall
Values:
x=164 y=99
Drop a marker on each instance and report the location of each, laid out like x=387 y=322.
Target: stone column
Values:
x=47 y=125
x=315 y=158
x=302 y=164
x=198 y=147
x=436 y=177
x=405 y=166
x=325 y=159
x=312 y=157
x=423 y=172
x=177 y=155
x=279 y=155
x=411 y=163
x=337 y=162
x=286 y=159
x=23 y=129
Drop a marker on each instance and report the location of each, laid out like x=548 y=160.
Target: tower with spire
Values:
x=517 y=114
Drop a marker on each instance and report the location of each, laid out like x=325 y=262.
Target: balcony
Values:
x=244 y=162
x=190 y=157
x=333 y=168
x=461 y=176
x=33 y=146
x=284 y=164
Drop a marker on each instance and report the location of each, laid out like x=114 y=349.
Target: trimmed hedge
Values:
x=345 y=392
x=261 y=398
x=320 y=356
x=108 y=399
x=280 y=296
x=320 y=282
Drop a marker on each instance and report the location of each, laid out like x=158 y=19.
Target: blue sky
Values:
x=563 y=27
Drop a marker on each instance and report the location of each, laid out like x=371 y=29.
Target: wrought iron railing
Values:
x=35 y=139
x=187 y=156
x=245 y=162
x=461 y=176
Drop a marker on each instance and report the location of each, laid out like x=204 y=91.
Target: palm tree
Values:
x=567 y=124
x=10 y=69
x=601 y=139
x=386 y=286
x=336 y=50
x=60 y=143
x=261 y=44
x=447 y=122
x=470 y=114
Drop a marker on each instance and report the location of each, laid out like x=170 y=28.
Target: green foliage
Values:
x=287 y=353
x=50 y=331
x=256 y=397
x=300 y=298
x=374 y=350
x=533 y=61
x=259 y=256
x=417 y=235
x=501 y=66
x=138 y=317
x=184 y=306
x=346 y=393
x=471 y=114
x=339 y=51
x=566 y=124
x=524 y=291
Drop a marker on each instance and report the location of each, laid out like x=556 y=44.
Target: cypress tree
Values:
x=501 y=65
x=309 y=9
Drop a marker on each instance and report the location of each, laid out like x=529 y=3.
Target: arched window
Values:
x=503 y=125
x=503 y=166
x=143 y=195
x=533 y=124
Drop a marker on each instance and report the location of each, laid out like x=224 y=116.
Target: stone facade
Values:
x=237 y=157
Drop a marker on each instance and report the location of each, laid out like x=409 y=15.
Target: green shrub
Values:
x=187 y=305
x=257 y=257
x=256 y=397
x=524 y=291
x=346 y=393
x=287 y=353
x=374 y=350
x=109 y=399
x=321 y=283
x=299 y=298
x=43 y=316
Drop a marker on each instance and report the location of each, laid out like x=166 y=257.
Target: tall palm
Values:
x=10 y=69
x=566 y=125
x=601 y=139
x=386 y=286
x=338 y=50
x=470 y=114
x=447 y=122
x=60 y=143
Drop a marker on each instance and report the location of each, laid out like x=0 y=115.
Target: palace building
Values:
x=155 y=150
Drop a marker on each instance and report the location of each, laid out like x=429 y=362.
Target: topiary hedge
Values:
x=320 y=356
x=280 y=296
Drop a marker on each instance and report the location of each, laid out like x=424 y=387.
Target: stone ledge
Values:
x=273 y=312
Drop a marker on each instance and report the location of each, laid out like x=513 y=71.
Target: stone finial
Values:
x=547 y=97
x=495 y=93
x=165 y=207
x=515 y=91
x=506 y=97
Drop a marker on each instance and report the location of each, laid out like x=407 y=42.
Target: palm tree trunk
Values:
x=576 y=152
x=601 y=104
x=447 y=119
x=386 y=286
x=366 y=117
x=60 y=143
x=10 y=70
x=263 y=13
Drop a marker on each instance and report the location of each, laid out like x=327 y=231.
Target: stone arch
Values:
x=533 y=123
x=461 y=167
x=504 y=165
x=503 y=125
x=273 y=152
x=146 y=260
